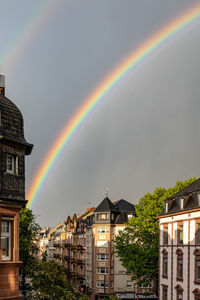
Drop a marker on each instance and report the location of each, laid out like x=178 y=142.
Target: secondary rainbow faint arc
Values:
x=99 y=93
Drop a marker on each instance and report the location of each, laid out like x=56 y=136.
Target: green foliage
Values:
x=49 y=280
x=137 y=244
x=28 y=232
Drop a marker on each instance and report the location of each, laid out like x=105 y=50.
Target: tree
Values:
x=49 y=281
x=137 y=244
x=28 y=232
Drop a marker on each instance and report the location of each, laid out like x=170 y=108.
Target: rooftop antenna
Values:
x=107 y=189
x=89 y=203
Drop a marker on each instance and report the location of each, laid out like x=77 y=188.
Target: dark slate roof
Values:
x=105 y=205
x=123 y=205
x=12 y=124
x=190 y=196
x=193 y=187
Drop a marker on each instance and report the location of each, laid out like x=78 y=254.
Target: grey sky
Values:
x=146 y=131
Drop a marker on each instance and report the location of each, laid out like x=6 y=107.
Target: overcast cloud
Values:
x=146 y=131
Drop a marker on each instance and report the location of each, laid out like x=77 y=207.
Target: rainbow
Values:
x=137 y=56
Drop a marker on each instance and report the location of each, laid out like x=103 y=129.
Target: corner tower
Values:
x=13 y=148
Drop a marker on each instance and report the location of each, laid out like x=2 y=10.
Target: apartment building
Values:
x=104 y=272
x=179 y=246
x=13 y=149
x=56 y=241
x=75 y=249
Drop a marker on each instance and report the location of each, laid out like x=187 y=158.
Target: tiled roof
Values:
x=123 y=205
x=105 y=205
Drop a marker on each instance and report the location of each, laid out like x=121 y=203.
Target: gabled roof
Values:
x=105 y=205
x=193 y=187
x=123 y=205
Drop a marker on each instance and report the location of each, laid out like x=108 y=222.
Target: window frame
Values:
x=179 y=254
x=197 y=259
x=102 y=286
x=14 y=164
x=164 y=289
x=165 y=234
x=100 y=231
x=102 y=268
x=100 y=255
x=164 y=267
x=179 y=233
x=8 y=235
x=197 y=237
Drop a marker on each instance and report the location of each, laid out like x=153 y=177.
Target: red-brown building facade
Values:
x=13 y=148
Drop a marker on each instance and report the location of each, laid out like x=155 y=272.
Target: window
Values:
x=12 y=164
x=129 y=216
x=179 y=254
x=102 y=229
x=103 y=244
x=180 y=234
x=102 y=270
x=101 y=284
x=181 y=203
x=102 y=256
x=165 y=263
x=166 y=207
x=165 y=234
x=165 y=289
x=179 y=292
x=197 y=233
x=129 y=283
x=102 y=216
x=6 y=239
x=197 y=265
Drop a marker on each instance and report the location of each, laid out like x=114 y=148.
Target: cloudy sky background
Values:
x=146 y=131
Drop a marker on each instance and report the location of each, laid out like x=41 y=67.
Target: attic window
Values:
x=198 y=198
x=166 y=207
x=130 y=216
x=181 y=203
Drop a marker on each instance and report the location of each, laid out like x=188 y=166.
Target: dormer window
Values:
x=181 y=203
x=166 y=207
x=130 y=216
x=103 y=216
x=12 y=164
x=198 y=198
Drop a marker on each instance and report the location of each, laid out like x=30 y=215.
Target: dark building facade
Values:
x=13 y=148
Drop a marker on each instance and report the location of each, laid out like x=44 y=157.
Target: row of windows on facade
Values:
x=179 y=294
x=105 y=216
x=179 y=268
x=180 y=234
x=181 y=203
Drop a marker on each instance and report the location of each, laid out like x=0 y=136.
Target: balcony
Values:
x=56 y=255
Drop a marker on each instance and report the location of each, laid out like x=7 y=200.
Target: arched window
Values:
x=179 y=292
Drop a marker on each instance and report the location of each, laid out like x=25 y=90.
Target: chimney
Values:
x=2 y=85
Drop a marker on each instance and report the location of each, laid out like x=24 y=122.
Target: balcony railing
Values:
x=56 y=255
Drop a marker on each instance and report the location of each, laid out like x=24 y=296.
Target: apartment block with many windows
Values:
x=179 y=246
x=104 y=272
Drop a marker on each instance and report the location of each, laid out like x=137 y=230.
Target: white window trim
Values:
x=99 y=272
x=7 y=235
x=100 y=255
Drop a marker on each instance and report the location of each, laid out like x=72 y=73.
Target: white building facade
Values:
x=179 y=246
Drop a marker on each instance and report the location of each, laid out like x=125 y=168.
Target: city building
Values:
x=75 y=249
x=104 y=272
x=179 y=246
x=13 y=148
